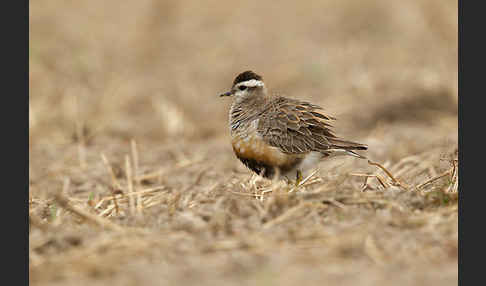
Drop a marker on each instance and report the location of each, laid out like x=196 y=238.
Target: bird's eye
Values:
x=242 y=87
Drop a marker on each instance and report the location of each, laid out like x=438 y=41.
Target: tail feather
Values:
x=355 y=154
x=347 y=145
x=343 y=147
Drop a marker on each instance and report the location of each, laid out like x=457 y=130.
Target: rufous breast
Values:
x=250 y=145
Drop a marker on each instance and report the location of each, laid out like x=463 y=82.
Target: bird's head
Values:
x=246 y=85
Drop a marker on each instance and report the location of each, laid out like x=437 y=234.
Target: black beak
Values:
x=226 y=94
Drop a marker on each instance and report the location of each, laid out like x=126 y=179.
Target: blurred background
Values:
x=152 y=70
x=103 y=73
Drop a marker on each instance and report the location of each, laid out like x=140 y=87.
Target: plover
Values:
x=276 y=136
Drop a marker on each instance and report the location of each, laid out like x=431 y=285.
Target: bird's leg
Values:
x=298 y=178
x=276 y=174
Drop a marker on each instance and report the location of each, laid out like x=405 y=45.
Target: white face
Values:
x=244 y=89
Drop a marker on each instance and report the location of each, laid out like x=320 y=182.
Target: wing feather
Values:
x=295 y=126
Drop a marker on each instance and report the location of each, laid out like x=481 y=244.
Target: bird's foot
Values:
x=298 y=178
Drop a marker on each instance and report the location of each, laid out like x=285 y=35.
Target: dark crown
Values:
x=244 y=76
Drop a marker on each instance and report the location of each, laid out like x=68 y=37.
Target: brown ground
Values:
x=123 y=101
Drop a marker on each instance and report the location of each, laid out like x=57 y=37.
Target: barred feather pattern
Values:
x=297 y=127
x=274 y=134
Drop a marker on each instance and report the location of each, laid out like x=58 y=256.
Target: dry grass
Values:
x=133 y=180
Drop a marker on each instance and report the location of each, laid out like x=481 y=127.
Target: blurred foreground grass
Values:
x=136 y=83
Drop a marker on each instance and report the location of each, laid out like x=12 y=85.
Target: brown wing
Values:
x=295 y=127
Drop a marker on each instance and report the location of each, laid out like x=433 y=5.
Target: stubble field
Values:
x=133 y=180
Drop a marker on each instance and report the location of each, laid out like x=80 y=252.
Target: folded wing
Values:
x=297 y=127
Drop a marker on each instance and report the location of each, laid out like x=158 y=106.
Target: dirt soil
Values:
x=133 y=180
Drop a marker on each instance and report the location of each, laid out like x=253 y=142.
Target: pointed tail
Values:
x=348 y=147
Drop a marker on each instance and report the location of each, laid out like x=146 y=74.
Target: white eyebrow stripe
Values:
x=251 y=83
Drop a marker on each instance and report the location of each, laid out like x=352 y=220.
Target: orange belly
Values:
x=254 y=148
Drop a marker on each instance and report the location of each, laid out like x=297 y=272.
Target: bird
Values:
x=278 y=137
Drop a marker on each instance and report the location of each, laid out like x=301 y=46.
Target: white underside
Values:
x=311 y=162
x=306 y=166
